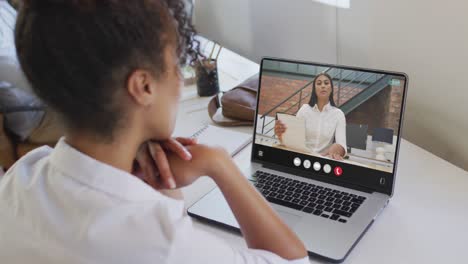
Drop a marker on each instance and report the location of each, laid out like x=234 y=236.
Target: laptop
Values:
x=330 y=204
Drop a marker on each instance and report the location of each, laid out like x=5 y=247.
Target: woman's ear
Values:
x=141 y=87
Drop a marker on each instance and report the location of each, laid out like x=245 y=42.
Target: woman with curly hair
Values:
x=108 y=191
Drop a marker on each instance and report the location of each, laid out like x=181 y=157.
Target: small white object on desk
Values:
x=380 y=153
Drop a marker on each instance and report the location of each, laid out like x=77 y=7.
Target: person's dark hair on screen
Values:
x=313 y=98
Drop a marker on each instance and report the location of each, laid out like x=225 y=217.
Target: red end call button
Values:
x=338 y=171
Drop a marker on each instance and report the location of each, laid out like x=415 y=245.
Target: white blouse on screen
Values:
x=323 y=128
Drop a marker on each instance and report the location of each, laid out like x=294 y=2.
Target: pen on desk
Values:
x=219 y=51
x=200 y=60
x=212 y=51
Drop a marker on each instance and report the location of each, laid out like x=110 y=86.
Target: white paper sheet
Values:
x=294 y=137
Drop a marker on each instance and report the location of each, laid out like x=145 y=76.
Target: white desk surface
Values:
x=426 y=221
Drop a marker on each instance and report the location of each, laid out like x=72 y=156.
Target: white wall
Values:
x=429 y=41
x=256 y=28
x=426 y=39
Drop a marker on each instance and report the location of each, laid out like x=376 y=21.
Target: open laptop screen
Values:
x=351 y=119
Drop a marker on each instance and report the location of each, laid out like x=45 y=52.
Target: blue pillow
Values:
x=19 y=123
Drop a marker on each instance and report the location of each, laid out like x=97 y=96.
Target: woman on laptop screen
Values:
x=325 y=123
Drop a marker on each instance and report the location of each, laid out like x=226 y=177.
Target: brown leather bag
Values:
x=238 y=105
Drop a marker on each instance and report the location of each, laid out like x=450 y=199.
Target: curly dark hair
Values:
x=78 y=54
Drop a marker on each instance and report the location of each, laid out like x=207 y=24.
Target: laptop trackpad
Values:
x=290 y=219
x=214 y=207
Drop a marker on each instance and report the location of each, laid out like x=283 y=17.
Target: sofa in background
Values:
x=11 y=148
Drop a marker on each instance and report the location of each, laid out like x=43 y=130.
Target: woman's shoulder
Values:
x=337 y=111
x=305 y=106
x=304 y=109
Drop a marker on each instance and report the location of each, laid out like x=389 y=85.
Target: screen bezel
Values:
x=368 y=179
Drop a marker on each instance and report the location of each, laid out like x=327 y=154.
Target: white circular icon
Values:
x=382 y=181
x=297 y=162
x=317 y=166
x=327 y=168
x=307 y=164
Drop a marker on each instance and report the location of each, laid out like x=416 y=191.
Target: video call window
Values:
x=346 y=115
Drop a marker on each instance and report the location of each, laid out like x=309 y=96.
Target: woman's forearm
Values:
x=260 y=225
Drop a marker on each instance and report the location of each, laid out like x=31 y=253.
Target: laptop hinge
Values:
x=317 y=177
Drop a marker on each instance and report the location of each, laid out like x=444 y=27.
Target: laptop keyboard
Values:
x=309 y=198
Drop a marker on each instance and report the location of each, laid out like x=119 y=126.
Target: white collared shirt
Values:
x=62 y=206
x=323 y=128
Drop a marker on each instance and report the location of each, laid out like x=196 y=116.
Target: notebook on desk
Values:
x=230 y=140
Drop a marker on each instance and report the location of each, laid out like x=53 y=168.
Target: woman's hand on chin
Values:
x=151 y=164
